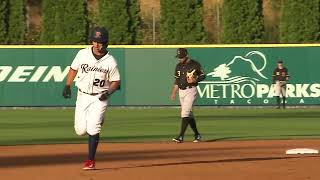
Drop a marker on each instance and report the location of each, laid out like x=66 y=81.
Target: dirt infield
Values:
x=230 y=160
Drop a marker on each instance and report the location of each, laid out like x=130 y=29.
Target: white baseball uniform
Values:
x=93 y=78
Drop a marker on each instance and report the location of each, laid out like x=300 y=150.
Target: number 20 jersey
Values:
x=94 y=76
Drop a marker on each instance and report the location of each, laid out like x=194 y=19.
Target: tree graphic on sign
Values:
x=221 y=71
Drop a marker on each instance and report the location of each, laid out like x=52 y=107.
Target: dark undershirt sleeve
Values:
x=200 y=73
x=287 y=73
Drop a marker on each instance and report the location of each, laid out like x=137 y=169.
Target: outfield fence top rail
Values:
x=163 y=46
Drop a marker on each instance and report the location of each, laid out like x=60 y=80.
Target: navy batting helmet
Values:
x=100 y=35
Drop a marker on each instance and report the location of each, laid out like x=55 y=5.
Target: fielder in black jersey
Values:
x=280 y=77
x=188 y=73
x=190 y=68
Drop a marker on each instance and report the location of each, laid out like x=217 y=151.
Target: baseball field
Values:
x=246 y=143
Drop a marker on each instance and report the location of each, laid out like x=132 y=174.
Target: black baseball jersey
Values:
x=190 y=67
x=280 y=74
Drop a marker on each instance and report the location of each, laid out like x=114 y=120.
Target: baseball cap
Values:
x=181 y=53
x=100 y=35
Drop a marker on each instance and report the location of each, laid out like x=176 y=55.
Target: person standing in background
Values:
x=280 y=78
x=188 y=73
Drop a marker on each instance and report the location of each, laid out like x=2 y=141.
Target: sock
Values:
x=278 y=100
x=193 y=125
x=284 y=102
x=93 y=145
x=184 y=125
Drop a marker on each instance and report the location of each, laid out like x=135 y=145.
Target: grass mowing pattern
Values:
x=51 y=126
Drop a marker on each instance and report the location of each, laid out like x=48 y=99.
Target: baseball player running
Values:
x=280 y=77
x=97 y=77
x=188 y=73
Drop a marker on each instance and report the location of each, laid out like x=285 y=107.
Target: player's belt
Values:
x=188 y=87
x=92 y=94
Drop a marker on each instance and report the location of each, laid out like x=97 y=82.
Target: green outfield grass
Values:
x=47 y=126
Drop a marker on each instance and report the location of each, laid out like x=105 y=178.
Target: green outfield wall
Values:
x=235 y=75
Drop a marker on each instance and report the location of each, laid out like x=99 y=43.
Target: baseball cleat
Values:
x=89 y=165
x=197 y=138
x=178 y=140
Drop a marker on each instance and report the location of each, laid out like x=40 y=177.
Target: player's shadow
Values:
x=283 y=136
x=253 y=159
x=112 y=156
x=171 y=154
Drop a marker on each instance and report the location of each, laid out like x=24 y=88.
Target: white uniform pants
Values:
x=280 y=88
x=89 y=114
x=187 y=98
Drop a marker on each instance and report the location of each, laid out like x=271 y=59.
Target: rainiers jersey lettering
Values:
x=86 y=68
x=94 y=76
x=191 y=68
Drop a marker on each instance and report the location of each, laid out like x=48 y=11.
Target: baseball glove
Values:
x=66 y=92
x=104 y=96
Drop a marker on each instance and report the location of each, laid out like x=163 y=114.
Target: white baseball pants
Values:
x=89 y=114
x=280 y=88
x=187 y=98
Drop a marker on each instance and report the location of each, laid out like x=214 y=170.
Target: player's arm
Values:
x=174 y=91
x=175 y=87
x=114 y=86
x=114 y=80
x=201 y=76
x=287 y=75
x=67 y=88
x=274 y=74
x=70 y=77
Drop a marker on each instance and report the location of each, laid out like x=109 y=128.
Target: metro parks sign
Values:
x=242 y=80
